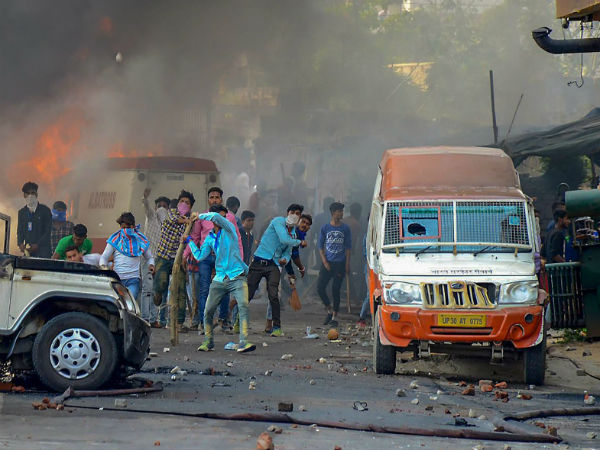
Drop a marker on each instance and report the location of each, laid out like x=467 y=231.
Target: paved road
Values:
x=327 y=390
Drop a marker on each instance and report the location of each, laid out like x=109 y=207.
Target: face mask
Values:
x=292 y=219
x=32 y=201
x=59 y=216
x=183 y=208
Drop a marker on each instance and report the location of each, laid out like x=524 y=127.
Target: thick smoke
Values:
x=338 y=104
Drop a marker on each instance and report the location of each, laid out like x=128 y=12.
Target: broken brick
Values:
x=462 y=384
x=501 y=395
x=46 y=400
x=482 y=382
x=501 y=385
x=525 y=396
x=447 y=411
x=264 y=442
x=552 y=431
x=39 y=406
x=539 y=424
x=486 y=388
x=468 y=391
x=18 y=389
x=156 y=443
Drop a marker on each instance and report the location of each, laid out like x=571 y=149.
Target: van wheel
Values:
x=534 y=363
x=384 y=356
x=75 y=349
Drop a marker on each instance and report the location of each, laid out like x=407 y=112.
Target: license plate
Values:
x=462 y=320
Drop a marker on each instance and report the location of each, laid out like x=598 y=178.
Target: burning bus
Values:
x=121 y=187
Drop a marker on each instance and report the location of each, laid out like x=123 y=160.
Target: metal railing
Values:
x=566 y=298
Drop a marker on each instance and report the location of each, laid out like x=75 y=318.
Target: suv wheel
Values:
x=75 y=349
x=384 y=356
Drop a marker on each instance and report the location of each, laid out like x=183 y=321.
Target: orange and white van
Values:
x=450 y=251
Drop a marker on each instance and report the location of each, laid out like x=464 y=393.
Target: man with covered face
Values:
x=273 y=253
x=34 y=224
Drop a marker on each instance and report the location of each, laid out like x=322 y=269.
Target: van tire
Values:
x=92 y=345
x=384 y=356
x=534 y=363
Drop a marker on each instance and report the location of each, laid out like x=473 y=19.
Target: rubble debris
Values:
x=268 y=373
x=552 y=431
x=294 y=425
x=152 y=354
x=460 y=422
x=39 y=406
x=415 y=401
x=265 y=344
x=433 y=397
x=429 y=408
x=337 y=447
x=333 y=334
x=175 y=369
x=524 y=396
x=584 y=354
x=157 y=443
x=287 y=356
x=486 y=388
x=500 y=395
x=478 y=447
x=570 y=349
x=482 y=382
x=302 y=408
x=447 y=411
x=501 y=385
x=468 y=391
x=439 y=392
x=540 y=425
x=275 y=429
x=252 y=385
x=264 y=442
x=360 y=406
x=166 y=350
x=312 y=382
x=285 y=407
x=506 y=447
x=414 y=384
x=591 y=435
x=229 y=363
x=120 y=403
x=462 y=383
x=186 y=358
x=482 y=417
x=588 y=399
x=472 y=414
x=19 y=389
x=322 y=360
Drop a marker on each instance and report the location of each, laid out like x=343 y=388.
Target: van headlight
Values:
x=402 y=294
x=125 y=298
x=519 y=292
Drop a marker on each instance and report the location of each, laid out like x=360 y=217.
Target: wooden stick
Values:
x=175 y=287
x=582 y=411
x=348 y=292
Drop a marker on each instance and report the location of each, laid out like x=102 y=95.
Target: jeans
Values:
x=337 y=272
x=272 y=273
x=164 y=268
x=238 y=287
x=133 y=284
x=149 y=309
x=198 y=314
x=205 y=269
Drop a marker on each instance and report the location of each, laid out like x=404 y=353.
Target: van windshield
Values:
x=468 y=226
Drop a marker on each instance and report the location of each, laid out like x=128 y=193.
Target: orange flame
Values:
x=119 y=152
x=51 y=156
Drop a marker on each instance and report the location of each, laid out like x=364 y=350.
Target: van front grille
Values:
x=458 y=295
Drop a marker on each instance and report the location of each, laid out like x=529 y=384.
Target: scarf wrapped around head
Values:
x=129 y=241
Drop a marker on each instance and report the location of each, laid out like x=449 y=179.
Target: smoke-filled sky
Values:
x=65 y=93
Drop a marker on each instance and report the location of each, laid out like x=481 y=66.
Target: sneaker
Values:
x=276 y=332
x=247 y=347
x=327 y=319
x=269 y=326
x=206 y=346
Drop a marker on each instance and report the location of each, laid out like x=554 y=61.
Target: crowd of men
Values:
x=223 y=261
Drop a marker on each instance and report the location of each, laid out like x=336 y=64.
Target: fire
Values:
x=119 y=152
x=51 y=156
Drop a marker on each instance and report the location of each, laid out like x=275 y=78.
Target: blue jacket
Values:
x=277 y=242
x=228 y=260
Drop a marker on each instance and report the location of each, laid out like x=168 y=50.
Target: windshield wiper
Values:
x=423 y=250
x=482 y=250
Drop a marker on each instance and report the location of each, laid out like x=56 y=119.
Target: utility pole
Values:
x=494 y=126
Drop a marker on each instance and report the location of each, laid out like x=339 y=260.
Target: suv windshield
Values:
x=467 y=225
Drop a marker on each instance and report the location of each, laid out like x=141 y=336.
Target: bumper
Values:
x=136 y=340
x=400 y=326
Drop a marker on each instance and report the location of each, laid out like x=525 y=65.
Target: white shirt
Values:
x=127 y=267
x=92 y=258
